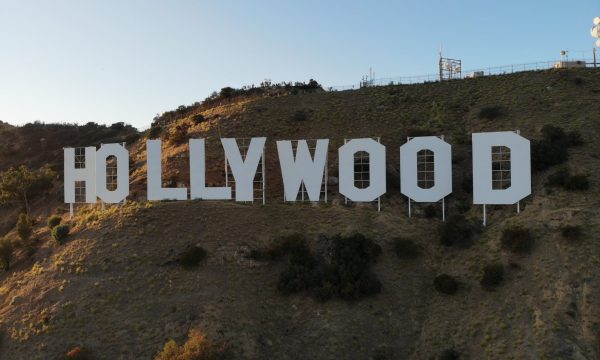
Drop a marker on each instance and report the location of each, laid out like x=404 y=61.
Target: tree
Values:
x=24 y=228
x=6 y=253
x=21 y=184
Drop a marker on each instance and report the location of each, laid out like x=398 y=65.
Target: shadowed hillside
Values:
x=527 y=286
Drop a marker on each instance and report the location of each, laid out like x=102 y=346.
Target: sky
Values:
x=109 y=61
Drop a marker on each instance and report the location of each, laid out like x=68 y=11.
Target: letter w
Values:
x=302 y=169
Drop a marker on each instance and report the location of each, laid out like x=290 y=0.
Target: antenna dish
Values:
x=597 y=20
x=595 y=31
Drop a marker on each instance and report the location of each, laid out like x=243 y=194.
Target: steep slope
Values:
x=115 y=286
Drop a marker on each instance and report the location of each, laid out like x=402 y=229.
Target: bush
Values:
x=406 y=248
x=449 y=354
x=302 y=273
x=571 y=232
x=559 y=178
x=300 y=116
x=60 y=233
x=517 y=239
x=574 y=138
x=553 y=133
x=346 y=275
x=78 y=353
x=192 y=257
x=430 y=211
x=197 y=347
x=493 y=275
x=154 y=131
x=6 y=253
x=578 y=182
x=563 y=178
x=24 y=228
x=279 y=248
x=352 y=257
x=445 y=284
x=491 y=112
x=545 y=154
x=54 y=221
x=553 y=148
x=457 y=230
x=198 y=118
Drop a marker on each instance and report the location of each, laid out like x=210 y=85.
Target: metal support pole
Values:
x=264 y=178
x=71 y=211
x=409 y=213
x=444 y=209
x=484 y=216
x=326 y=179
x=518 y=207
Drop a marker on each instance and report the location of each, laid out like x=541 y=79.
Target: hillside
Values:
x=116 y=286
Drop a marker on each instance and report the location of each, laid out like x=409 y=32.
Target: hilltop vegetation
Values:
x=164 y=279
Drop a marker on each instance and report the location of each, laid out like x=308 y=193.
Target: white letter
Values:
x=520 y=168
x=442 y=169
x=80 y=174
x=376 y=186
x=244 y=170
x=198 y=189
x=302 y=169
x=122 y=158
x=154 y=175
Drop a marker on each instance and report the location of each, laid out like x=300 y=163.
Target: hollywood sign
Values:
x=303 y=168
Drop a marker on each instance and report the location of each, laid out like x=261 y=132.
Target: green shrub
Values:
x=300 y=116
x=406 y=248
x=417 y=132
x=430 y=211
x=578 y=182
x=553 y=148
x=346 y=275
x=563 y=178
x=6 y=253
x=192 y=257
x=302 y=272
x=449 y=354
x=571 y=232
x=517 y=239
x=197 y=347
x=60 y=233
x=198 y=118
x=491 y=112
x=352 y=257
x=445 y=284
x=24 y=229
x=279 y=248
x=54 y=221
x=545 y=154
x=457 y=231
x=553 y=133
x=574 y=138
x=78 y=353
x=154 y=131
x=493 y=275
x=559 y=178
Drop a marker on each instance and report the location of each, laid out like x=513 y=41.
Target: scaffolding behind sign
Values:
x=362 y=171
x=258 y=184
x=303 y=193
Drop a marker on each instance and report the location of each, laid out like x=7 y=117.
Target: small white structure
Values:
x=475 y=74
x=569 y=64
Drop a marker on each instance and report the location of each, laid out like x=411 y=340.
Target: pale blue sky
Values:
x=109 y=61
